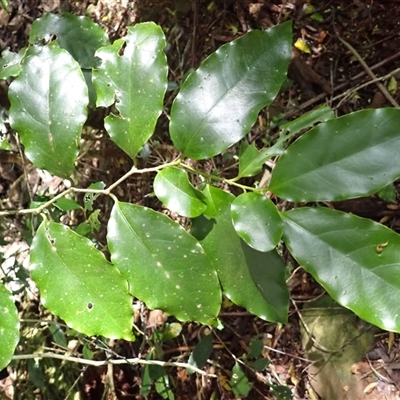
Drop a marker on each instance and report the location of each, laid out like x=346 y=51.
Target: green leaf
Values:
x=201 y=353
x=93 y=297
x=250 y=160
x=348 y=157
x=135 y=82
x=249 y=278
x=67 y=204
x=9 y=327
x=255 y=347
x=58 y=335
x=173 y=188
x=48 y=107
x=355 y=259
x=162 y=385
x=257 y=221
x=306 y=120
x=89 y=198
x=388 y=193
x=218 y=103
x=281 y=392
x=165 y=266
x=261 y=364
x=80 y=36
x=10 y=63
x=239 y=382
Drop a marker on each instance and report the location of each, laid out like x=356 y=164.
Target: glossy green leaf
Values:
x=249 y=278
x=239 y=382
x=10 y=63
x=201 y=353
x=48 y=107
x=78 y=284
x=133 y=77
x=165 y=266
x=9 y=327
x=80 y=36
x=356 y=260
x=348 y=157
x=173 y=188
x=218 y=103
x=257 y=221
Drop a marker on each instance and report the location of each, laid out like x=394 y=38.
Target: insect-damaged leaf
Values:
x=133 y=77
x=78 y=284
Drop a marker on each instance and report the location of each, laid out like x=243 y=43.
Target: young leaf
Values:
x=93 y=297
x=9 y=327
x=48 y=107
x=133 y=76
x=248 y=277
x=218 y=103
x=165 y=266
x=348 y=157
x=80 y=36
x=355 y=259
x=239 y=382
x=257 y=221
x=173 y=188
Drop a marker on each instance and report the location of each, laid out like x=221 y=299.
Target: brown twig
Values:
x=321 y=96
x=368 y=70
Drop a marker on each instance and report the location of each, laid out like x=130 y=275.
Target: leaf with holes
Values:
x=218 y=103
x=165 y=266
x=257 y=221
x=93 y=298
x=9 y=327
x=48 y=107
x=173 y=188
x=356 y=260
x=352 y=156
x=133 y=77
x=10 y=63
x=249 y=278
x=80 y=36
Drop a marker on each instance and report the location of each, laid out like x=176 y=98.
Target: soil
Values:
x=326 y=72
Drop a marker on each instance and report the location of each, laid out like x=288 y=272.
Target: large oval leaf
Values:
x=48 y=107
x=173 y=188
x=218 y=103
x=133 y=75
x=80 y=36
x=78 y=284
x=356 y=260
x=165 y=266
x=250 y=278
x=9 y=327
x=352 y=156
x=257 y=221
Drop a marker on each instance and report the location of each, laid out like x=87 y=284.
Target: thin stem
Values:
x=96 y=363
x=106 y=192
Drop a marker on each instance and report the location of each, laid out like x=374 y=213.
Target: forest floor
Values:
x=324 y=71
